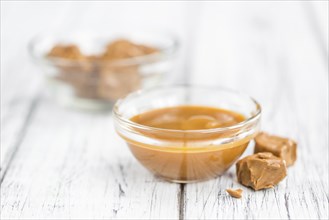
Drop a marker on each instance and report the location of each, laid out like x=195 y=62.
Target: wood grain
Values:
x=17 y=105
x=60 y=163
x=288 y=75
x=80 y=169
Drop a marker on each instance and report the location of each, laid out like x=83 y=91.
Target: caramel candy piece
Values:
x=116 y=82
x=70 y=51
x=236 y=193
x=121 y=49
x=79 y=73
x=261 y=170
x=281 y=147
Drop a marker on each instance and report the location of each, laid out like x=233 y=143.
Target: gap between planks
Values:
x=33 y=106
x=181 y=201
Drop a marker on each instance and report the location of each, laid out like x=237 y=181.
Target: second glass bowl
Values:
x=98 y=84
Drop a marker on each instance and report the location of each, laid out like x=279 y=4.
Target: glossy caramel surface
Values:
x=188 y=118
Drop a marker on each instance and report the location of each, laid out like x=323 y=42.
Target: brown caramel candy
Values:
x=236 y=193
x=121 y=49
x=79 y=73
x=116 y=82
x=70 y=51
x=261 y=170
x=281 y=147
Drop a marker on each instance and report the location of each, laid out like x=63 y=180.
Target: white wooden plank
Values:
x=19 y=96
x=69 y=165
x=20 y=79
x=56 y=181
x=269 y=51
x=73 y=165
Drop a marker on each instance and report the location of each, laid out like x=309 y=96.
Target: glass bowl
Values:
x=99 y=83
x=186 y=155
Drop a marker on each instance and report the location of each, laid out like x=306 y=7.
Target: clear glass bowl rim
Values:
x=169 y=50
x=127 y=122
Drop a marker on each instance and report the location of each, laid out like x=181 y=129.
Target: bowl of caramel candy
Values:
x=91 y=72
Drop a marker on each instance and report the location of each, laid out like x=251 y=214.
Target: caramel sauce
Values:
x=191 y=155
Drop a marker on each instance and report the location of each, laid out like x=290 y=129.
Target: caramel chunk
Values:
x=281 y=147
x=116 y=82
x=79 y=72
x=261 y=170
x=70 y=51
x=122 y=48
x=236 y=193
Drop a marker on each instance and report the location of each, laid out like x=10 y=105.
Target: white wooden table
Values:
x=58 y=163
